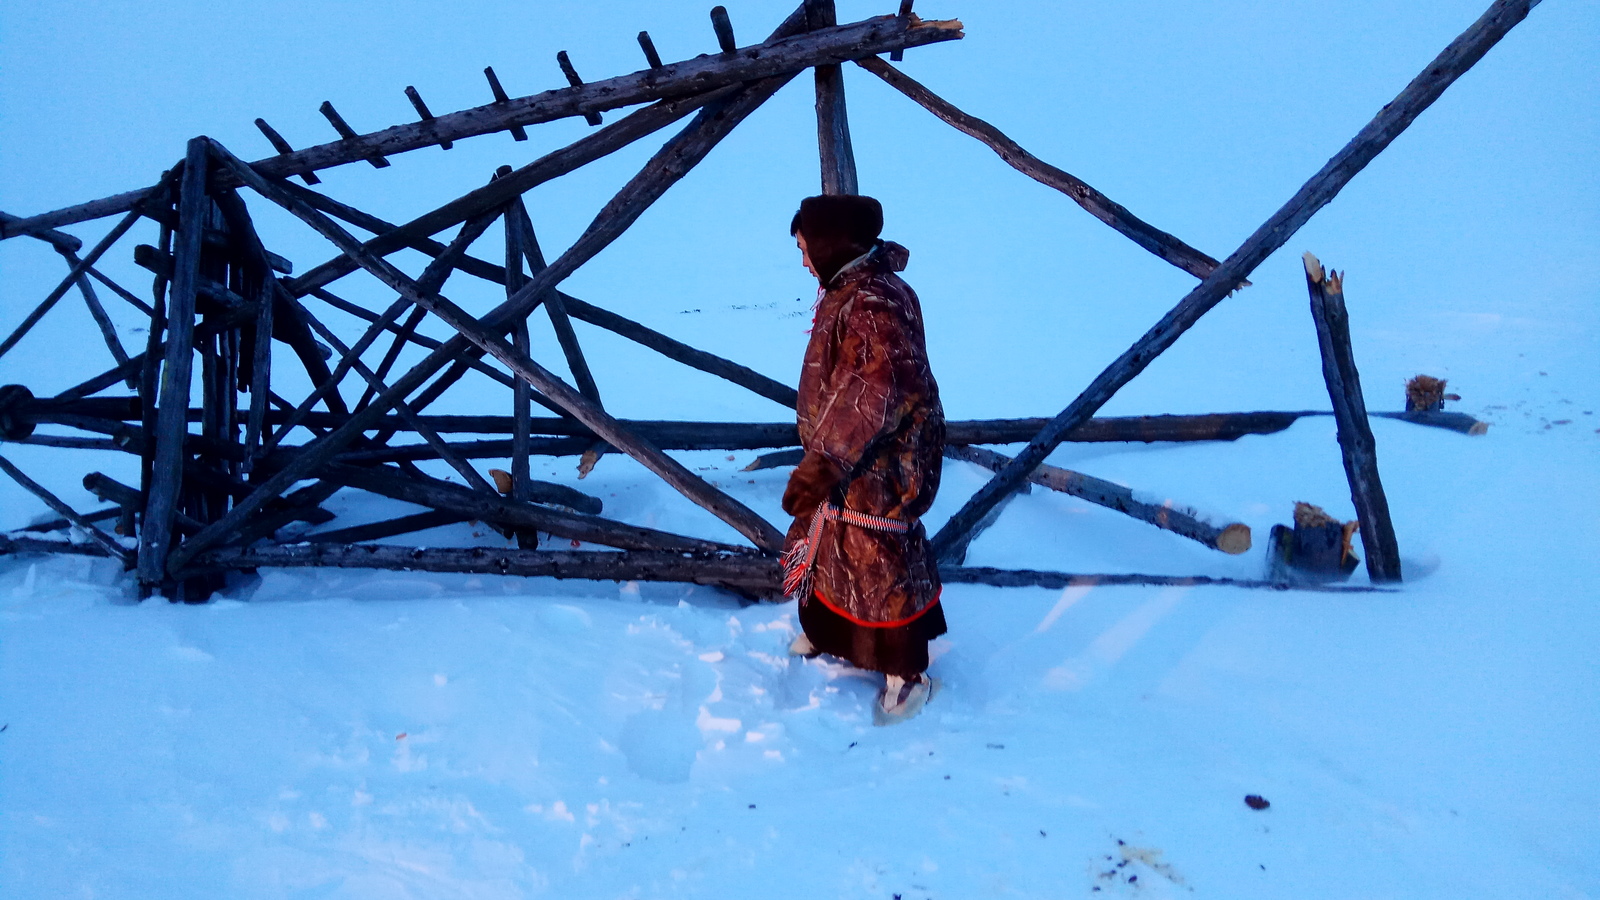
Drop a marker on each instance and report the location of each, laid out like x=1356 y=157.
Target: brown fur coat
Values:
x=873 y=432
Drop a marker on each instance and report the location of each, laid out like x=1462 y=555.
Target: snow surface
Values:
x=377 y=735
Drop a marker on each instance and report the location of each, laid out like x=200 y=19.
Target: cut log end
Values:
x=1478 y=428
x=502 y=481
x=1234 y=539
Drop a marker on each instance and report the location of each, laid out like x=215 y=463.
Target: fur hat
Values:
x=837 y=229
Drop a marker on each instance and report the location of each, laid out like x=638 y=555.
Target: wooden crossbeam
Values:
x=1100 y=206
x=1393 y=119
x=780 y=55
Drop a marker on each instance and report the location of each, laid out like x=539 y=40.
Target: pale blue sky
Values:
x=1202 y=118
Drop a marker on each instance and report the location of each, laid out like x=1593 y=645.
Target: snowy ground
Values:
x=361 y=735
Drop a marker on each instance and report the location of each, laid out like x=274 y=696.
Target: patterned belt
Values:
x=798 y=561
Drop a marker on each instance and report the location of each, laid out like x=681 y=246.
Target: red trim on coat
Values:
x=865 y=624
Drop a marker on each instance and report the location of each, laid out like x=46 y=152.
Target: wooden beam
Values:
x=555 y=307
x=747 y=378
x=1060 y=580
x=349 y=134
x=1390 y=121
x=58 y=239
x=736 y=514
x=733 y=569
x=666 y=168
x=389 y=528
x=1100 y=206
x=1233 y=538
x=565 y=62
x=61 y=509
x=73 y=275
x=282 y=146
x=108 y=329
x=165 y=484
x=518 y=133
x=424 y=112
x=496 y=194
x=833 y=125
x=778 y=56
x=490 y=506
x=1356 y=443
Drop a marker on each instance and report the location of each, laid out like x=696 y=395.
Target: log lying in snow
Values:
x=1233 y=538
x=737 y=569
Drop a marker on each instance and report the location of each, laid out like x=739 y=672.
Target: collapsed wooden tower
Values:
x=218 y=478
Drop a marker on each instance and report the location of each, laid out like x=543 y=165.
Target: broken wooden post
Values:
x=1384 y=127
x=833 y=125
x=723 y=26
x=1356 y=442
x=1317 y=549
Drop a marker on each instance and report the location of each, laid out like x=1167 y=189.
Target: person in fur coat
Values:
x=873 y=430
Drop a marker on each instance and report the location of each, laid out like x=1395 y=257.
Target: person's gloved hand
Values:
x=810 y=484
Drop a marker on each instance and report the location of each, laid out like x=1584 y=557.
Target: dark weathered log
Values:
x=329 y=445
x=1356 y=444
x=565 y=62
x=1059 y=580
x=61 y=509
x=409 y=336
x=651 y=57
x=110 y=490
x=424 y=112
x=99 y=515
x=554 y=306
x=518 y=133
x=490 y=506
x=290 y=325
x=165 y=483
x=678 y=351
x=433 y=278
x=120 y=291
x=108 y=329
x=77 y=271
x=1233 y=538
x=13 y=544
x=666 y=168
x=258 y=283
x=733 y=569
x=777 y=56
x=349 y=134
x=388 y=528
x=282 y=146
x=57 y=239
x=833 y=125
x=493 y=196
x=1465 y=50
x=1100 y=206
x=723 y=27
x=905 y=11
x=473 y=477
x=518 y=232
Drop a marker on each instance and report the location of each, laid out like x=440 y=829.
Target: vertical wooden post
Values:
x=522 y=391
x=172 y=410
x=1350 y=412
x=833 y=126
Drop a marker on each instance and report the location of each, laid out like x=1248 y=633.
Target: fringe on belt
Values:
x=799 y=560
